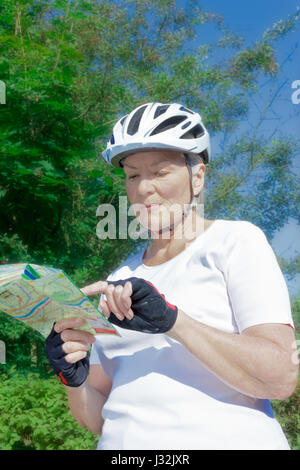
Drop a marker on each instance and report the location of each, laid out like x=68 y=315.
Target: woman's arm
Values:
x=259 y=362
x=86 y=403
x=87 y=393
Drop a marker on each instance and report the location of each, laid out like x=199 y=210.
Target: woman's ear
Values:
x=198 y=179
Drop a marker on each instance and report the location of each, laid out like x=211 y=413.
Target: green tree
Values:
x=72 y=67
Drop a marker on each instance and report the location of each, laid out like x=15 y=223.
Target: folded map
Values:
x=41 y=295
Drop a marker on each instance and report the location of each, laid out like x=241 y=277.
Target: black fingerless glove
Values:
x=72 y=375
x=152 y=313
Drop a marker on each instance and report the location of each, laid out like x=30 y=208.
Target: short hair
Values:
x=194 y=161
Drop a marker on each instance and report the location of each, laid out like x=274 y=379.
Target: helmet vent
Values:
x=168 y=124
x=194 y=133
x=135 y=121
x=123 y=119
x=185 y=125
x=160 y=110
x=182 y=108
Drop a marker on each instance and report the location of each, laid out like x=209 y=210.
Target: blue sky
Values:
x=250 y=20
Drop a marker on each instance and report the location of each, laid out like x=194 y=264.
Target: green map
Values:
x=40 y=296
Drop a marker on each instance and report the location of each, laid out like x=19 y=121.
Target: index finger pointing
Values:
x=95 y=288
x=66 y=323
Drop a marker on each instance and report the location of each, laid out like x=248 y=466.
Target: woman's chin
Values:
x=156 y=224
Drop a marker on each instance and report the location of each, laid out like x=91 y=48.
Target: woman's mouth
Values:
x=151 y=207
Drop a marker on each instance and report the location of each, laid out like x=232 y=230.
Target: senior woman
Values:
x=207 y=336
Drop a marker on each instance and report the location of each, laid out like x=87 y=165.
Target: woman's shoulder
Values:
x=235 y=242
x=239 y=237
x=238 y=227
x=229 y=235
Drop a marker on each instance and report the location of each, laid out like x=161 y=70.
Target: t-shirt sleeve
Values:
x=94 y=356
x=256 y=287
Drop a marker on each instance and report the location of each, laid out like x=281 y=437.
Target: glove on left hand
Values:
x=152 y=313
x=71 y=374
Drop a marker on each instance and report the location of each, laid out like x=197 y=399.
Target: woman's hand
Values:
x=76 y=343
x=136 y=304
x=67 y=351
x=118 y=298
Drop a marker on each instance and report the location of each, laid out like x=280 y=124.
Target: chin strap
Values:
x=184 y=215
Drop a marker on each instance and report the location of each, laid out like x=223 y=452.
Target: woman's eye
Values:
x=157 y=173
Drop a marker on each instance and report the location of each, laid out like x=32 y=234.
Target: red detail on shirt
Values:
x=63 y=379
x=162 y=295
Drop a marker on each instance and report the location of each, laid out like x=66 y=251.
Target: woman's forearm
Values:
x=86 y=403
x=254 y=366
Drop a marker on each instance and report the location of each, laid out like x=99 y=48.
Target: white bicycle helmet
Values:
x=155 y=126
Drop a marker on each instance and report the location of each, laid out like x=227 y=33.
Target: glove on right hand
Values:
x=72 y=375
x=152 y=313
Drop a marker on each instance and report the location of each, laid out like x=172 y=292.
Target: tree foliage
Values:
x=73 y=67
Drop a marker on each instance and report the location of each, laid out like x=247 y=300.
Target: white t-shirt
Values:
x=162 y=396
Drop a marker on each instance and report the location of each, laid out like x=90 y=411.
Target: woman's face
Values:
x=158 y=187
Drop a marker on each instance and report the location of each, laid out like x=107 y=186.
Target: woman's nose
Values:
x=146 y=186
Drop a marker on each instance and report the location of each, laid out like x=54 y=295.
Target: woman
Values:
x=206 y=329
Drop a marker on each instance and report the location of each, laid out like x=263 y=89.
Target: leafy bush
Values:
x=34 y=414
x=12 y=249
x=287 y=411
x=25 y=347
x=287 y=414
x=295 y=303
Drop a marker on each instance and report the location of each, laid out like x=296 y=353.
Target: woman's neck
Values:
x=168 y=244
